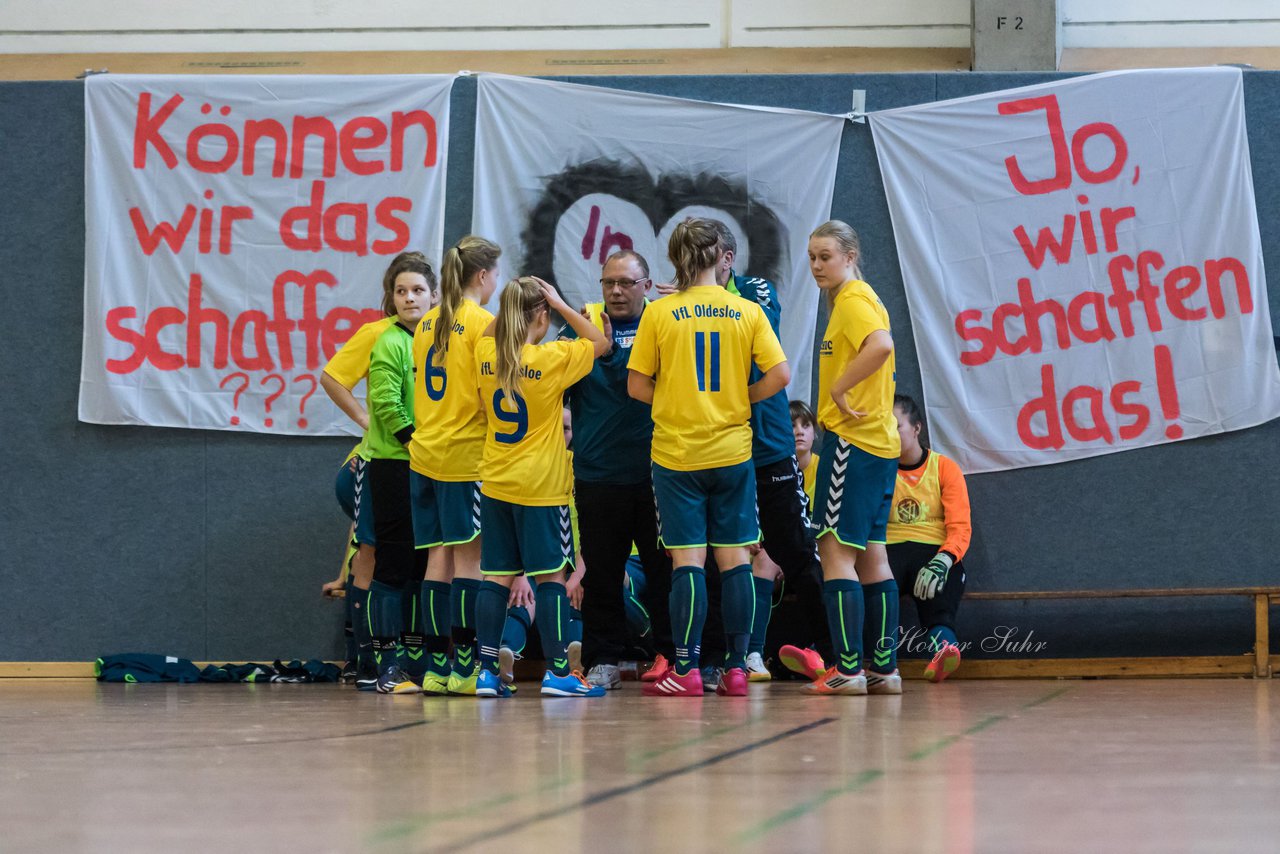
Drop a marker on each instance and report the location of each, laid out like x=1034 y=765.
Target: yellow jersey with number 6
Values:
x=448 y=435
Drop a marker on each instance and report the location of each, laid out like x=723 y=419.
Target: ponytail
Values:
x=520 y=302
x=468 y=256
x=694 y=246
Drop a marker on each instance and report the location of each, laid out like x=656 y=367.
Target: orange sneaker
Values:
x=945 y=661
x=657 y=670
x=804 y=661
x=835 y=682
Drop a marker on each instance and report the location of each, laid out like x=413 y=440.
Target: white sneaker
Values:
x=574 y=652
x=756 y=671
x=506 y=665
x=607 y=676
x=884 y=683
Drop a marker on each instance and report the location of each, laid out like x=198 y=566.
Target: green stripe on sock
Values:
x=693 y=596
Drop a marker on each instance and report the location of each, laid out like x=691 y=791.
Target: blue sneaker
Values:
x=572 y=685
x=393 y=680
x=489 y=684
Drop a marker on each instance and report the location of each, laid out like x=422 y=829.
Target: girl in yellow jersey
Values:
x=856 y=470
x=691 y=359
x=448 y=442
x=525 y=474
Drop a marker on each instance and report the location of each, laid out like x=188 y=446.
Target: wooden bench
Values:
x=1263 y=599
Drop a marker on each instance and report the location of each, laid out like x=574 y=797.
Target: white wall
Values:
x=182 y=26
x=1169 y=23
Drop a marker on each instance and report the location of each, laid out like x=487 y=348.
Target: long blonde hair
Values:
x=464 y=259
x=521 y=299
x=694 y=246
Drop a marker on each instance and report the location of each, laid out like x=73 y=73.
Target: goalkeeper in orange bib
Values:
x=928 y=534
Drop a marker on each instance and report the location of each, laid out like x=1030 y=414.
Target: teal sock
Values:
x=462 y=597
x=880 y=631
x=359 y=599
x=688 y=604
x=553 y=625
x=434 y=602
x=491 y=613
x=575 y=625
x=412 y=641
x=384 y=623
x=843 y=599
x=764 y=605
x=349 y=623
x=515 y=633
x=940 y=636
x=738 y=609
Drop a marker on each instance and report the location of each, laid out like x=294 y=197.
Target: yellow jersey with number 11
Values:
x=698 y=345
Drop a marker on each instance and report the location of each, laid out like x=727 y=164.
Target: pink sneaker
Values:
x=945 y=661
x=805 y=661
x=733 y=683
x=674 y=685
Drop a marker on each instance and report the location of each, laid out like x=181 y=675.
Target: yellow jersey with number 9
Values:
x=856 y=314
x=448 y=436
x=525 y=459
x=698 y=345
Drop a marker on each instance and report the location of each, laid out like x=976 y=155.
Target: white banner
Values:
x=1083 y=265
x=236 y=233
x=566 y=175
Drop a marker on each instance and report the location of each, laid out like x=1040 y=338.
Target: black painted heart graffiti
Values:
x=593 y=209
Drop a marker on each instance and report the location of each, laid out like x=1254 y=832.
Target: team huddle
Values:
x=691 y=479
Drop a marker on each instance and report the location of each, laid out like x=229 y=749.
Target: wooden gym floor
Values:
x=967 y=766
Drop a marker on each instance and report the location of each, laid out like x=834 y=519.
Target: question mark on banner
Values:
x=302 y=405
x=271 y=398
x=235 y=399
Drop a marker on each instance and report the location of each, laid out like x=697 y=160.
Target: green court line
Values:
x=1046 y=698
x=804 y=807
x=865 y=778
x=410 y=826
x=688 y=742
x=942 y=744
x=407 y=827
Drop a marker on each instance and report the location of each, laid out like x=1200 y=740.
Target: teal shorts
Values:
x=362 y=504
x=524 y=540
x=709 y=507
x=853 y=492
x=445 y=512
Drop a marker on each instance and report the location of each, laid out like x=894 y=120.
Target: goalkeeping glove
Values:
x=932 y=576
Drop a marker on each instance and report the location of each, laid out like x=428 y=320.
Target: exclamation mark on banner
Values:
x=1168 y=391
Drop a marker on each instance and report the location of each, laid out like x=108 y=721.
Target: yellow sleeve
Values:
x=860 y=318
x=644 y=350
x=578 y=357
x=351 y=363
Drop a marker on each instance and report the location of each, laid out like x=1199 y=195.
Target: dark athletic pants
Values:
x=788 y=538
x=610 y=518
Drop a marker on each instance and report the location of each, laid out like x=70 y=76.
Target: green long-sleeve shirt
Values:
x=391 y=394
